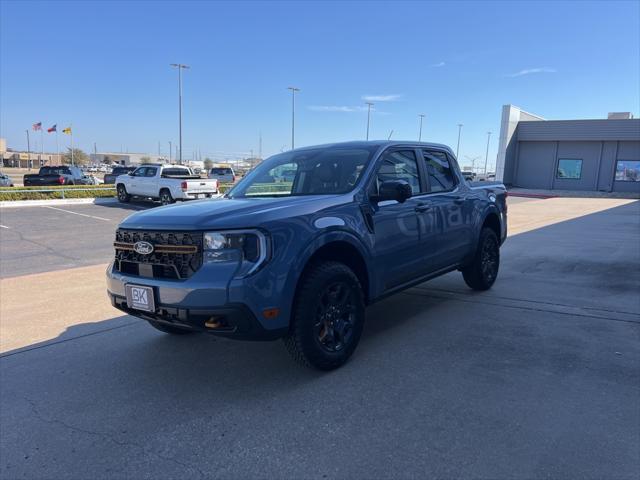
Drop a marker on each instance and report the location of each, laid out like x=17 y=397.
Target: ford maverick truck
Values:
x=305 y=241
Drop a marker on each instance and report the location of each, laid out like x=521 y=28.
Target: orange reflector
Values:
x=270 y=313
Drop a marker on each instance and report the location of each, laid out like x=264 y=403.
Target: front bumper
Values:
x=205 y=302
x=233 y=321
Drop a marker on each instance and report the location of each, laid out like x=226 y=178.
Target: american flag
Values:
x=52 y=129
x=37 y=126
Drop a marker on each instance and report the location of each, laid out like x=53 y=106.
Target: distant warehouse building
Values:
x=597 y=155
x=126 y=158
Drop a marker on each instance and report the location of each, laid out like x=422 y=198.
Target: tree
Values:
x=79 y=157
x=145 y=159
x=208 y=163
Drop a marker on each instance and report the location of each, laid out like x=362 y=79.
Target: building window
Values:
x=628 y=171
x=569 y=168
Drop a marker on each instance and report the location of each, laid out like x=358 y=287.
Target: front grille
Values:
x=176 y=255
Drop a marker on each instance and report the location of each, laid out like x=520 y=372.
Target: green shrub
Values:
x=9 y=194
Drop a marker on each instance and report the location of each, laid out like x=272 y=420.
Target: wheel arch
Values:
x=341 y=247
x=492 y=221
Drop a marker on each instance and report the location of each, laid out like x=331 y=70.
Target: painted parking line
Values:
x=4 y=226
x=81 y=214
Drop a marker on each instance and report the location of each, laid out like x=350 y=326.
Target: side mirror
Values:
x=130 y=174
x=398 y=190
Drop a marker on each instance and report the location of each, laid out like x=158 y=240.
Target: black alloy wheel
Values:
x=335 y=316
x=482 y=272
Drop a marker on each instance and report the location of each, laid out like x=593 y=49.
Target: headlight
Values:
x=248 y=247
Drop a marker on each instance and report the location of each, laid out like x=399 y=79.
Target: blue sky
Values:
x=104 y=66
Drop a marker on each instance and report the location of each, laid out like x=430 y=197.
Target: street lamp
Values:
x=420 y=131
x=460 y=125
x=180 y=66
x=487 y=155
x=369 y=105
x=293 y=115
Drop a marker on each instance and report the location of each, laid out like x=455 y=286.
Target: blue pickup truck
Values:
x=300 y=255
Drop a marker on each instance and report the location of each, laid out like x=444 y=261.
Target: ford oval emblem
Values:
x=143 y=248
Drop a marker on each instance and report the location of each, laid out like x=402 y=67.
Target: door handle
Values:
x=423 y=207
x=458 y=201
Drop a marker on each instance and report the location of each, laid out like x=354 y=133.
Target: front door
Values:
x=397 y=255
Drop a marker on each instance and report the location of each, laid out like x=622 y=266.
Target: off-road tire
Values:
x=483 y=270
x=123 y=196
x=302 y=341
x=169 y=328
x=165 y=197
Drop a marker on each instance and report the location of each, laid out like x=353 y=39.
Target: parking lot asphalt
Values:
x=537 y=378
x=41 y=239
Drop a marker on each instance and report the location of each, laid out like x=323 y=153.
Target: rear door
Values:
x=450 y=207
x=136 y=181
x=149 y=183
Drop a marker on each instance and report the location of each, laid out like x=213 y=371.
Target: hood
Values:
x=228 y=213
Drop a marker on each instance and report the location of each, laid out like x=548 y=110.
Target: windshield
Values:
x=121 y=170
x=221 y=171
x=319 y=171
x=54 y=170
x=176 y=171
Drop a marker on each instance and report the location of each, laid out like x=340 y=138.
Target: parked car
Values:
x=166 y=183
x=93 y=180
x=222 y=174
x=300 y=261
x=469 y=176
x=60 y=175
x=5 y=180
x=110 y=178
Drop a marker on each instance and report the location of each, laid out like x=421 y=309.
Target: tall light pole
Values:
x=460 y=125
x=486 y=157
x=369 y=105
x=420 y=131
x=180 y=67
x=293 y=115
x=169 y=151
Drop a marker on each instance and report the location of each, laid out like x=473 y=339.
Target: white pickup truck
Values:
x=167 y=183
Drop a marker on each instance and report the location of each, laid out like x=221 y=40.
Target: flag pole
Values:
x=58 y=145
x=28 y=152
x=71 y=130
x=41 y=145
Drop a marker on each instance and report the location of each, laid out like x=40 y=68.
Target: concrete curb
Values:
x=530 y=195
x=44 y=203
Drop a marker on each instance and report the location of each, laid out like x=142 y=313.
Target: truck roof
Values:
x=152 y=164
x=380 y=143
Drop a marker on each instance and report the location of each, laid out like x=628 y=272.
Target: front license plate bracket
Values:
x=140 y=298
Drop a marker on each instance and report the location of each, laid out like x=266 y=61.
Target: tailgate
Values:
x=202 y=186
x=38 y=180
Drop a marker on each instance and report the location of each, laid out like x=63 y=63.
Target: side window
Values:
x=399 y=165
x=140 y=172
x=439 y=171
x=151 y=172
